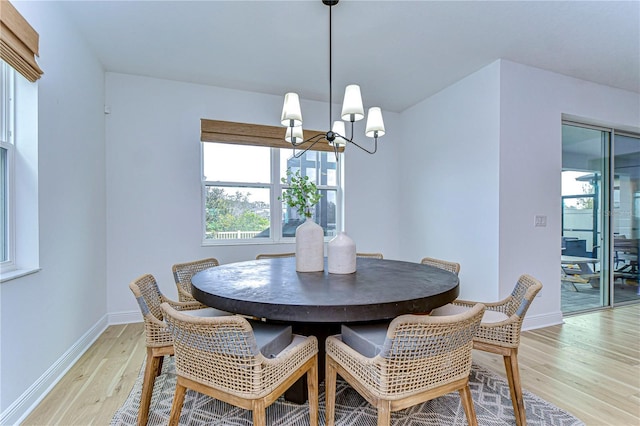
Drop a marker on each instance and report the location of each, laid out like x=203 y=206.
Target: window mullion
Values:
x=276 y=189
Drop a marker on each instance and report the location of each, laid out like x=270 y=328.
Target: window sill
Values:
x=17 y=273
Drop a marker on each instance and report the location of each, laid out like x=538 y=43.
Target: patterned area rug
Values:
x=490 y=395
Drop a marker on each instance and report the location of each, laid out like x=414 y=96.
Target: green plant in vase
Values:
x=302 y=193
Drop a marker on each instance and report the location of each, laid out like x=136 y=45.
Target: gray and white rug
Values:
x=490 y=395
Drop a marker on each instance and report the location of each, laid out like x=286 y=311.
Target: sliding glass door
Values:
x=626 y=217
x=600 y=217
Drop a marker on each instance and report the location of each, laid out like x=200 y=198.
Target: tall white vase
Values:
x=341 y=253
x=309 y=247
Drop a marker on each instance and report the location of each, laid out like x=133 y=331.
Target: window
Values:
x=242 y=186
x=7 y=96
x=19 y=71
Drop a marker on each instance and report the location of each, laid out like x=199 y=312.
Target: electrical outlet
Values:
x=540 y=221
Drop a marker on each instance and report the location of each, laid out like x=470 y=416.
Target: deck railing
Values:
x=235 y=235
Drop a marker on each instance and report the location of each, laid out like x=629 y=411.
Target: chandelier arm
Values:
x=317 y=138
x=366 y=150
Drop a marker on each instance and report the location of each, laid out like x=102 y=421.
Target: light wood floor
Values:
x=590 y=366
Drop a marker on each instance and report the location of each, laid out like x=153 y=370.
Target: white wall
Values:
x=153 y=180
x=45 y=314
x=532 y=104
x=450 y=164
x=486 y=162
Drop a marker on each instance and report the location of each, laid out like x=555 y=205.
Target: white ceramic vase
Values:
x=341 y=254
x=309 y=247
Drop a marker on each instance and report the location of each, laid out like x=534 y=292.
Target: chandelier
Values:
x=352 y=111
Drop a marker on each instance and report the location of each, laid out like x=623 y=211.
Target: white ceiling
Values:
x=400 y=52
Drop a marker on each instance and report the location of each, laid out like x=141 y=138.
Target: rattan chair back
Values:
x=442 y=264
x=422 y=358
x=182 y=273
x=420 y=352
x=370 y=255
x=274 y=255
x=502 y=337
x=515 y=306
x=145 y=289
x=219 y=356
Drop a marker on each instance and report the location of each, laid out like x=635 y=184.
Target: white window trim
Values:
x=7 y=96
x=24 y=205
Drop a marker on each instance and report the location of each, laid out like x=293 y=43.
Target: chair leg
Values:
x=330 y=391
x=312 y=390
x=515 y=385
x=467 y=404
x=150 y=374
x=176 y=407
x=259 y=412
x=384 y=412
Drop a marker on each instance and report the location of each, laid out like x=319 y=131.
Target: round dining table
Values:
x=316 y=303
x=380 y=289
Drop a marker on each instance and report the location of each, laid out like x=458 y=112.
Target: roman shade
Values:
x=18 y=42
x=254 y=134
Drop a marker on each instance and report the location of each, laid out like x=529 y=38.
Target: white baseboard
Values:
x=22 y=407
x=539 y=321
x=125 y=317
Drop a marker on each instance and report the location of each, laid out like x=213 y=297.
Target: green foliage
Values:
x=302 y=193
x=233 y=212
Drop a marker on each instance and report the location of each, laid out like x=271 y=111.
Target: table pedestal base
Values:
x=298 y=391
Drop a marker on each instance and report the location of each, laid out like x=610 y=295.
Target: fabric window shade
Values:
x=255 y=134
x=18 y=42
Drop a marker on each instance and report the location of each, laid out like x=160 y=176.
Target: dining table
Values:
x=317 y=303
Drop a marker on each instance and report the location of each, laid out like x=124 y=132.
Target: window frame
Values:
x=275 y=186
x=7 y=142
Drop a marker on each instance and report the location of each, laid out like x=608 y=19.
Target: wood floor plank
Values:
x=588 y=366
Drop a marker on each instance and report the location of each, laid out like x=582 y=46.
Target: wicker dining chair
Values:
x=421 y=358
x=158 y=339
x=182 y=273
x=220 y=357
x=499 y=332
x=370 y=255
x=274 y=255
x=442 y=264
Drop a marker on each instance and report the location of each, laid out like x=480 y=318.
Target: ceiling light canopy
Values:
x=352 y=111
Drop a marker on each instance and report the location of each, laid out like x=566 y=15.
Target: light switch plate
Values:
x=540 y=220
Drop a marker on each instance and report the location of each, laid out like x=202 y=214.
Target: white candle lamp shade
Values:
x=352 y=109
x=374 y=123
x=297 y=135
x=291 y=110
x=338 y=127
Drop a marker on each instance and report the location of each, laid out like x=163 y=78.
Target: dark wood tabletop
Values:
x=272 y=289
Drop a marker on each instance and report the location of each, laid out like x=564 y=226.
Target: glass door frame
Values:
x=606 y=213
